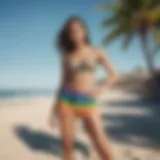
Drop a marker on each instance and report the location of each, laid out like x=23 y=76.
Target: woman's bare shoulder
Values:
x=98 y=50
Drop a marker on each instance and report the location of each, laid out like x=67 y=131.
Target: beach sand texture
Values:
x=132 y=124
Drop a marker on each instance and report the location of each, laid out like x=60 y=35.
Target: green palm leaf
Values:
x=110 y=21
x=124 y=18
x=127 y=40
x=112 y=36
x=109 y=6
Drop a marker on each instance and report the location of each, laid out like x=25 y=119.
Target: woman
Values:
x=78 y=93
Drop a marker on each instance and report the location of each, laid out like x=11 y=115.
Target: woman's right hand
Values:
x=54 y=115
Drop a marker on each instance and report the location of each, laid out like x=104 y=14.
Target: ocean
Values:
x=24 y=93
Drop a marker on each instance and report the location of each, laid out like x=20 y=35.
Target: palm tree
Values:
x=130 y=17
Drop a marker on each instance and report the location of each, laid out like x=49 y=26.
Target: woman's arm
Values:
x=112 y=75
x=55 y=105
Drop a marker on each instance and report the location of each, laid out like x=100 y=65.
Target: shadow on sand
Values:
x=135 y=129
x=41 y=141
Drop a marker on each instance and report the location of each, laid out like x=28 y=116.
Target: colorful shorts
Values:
x=79 y=104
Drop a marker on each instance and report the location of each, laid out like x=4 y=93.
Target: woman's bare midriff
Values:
x=81 y=82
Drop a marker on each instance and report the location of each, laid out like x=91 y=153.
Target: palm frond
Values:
x=110 y=21
x=129 y=17
x=154 y=3
x=154 y=16
x=108 y=6
x=112 y=36
x=127 y=40
x=145 y=4
x=156 y=35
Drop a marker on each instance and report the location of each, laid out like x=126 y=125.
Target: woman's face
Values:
x=77 y=32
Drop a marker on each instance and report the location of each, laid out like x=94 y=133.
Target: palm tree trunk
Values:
x=146 y=53
x=150 y=64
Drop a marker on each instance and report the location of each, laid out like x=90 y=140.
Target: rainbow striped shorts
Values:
x=79 y=104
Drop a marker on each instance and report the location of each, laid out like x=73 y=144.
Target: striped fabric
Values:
x=78 y=103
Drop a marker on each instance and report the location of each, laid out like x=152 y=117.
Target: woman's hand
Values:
x=54 y=115
x=100 y=89
x=112 y=75
x=114 y=79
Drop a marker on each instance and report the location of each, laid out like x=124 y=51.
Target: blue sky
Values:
x=28 y=30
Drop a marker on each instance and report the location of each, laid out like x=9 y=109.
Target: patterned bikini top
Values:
x=87 y=64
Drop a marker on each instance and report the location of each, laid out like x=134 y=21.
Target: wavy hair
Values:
x=64 y=43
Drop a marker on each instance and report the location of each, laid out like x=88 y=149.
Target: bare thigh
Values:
x=67 y=128
x=67 y=125
x=93 y=125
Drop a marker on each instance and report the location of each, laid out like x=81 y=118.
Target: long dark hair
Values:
x=64 y=43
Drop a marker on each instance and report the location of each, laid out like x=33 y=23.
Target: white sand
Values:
x=133 y=126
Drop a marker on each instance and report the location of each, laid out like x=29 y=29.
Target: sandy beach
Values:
x=132 y=124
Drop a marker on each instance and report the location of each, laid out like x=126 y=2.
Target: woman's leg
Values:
x=94 y=128
x=67 y=132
